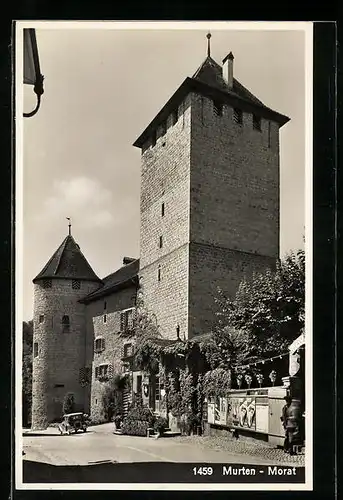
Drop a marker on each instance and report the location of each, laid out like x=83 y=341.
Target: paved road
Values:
x=100 y=444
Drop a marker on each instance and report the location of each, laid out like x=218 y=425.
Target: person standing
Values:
x=286 y=419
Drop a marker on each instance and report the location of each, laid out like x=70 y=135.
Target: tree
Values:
x=268 y=308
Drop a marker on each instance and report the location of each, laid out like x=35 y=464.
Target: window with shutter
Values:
x=99 y=344
x=256 y=121
x=128 y=350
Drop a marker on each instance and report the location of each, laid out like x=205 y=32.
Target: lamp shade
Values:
x=32 y=74
x=31 y=58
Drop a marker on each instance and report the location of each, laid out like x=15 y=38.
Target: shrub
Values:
x=138 y=420
x=135 y=427
x=161 y=424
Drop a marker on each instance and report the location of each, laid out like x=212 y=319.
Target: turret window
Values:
x=159 y=273
x=65 y=324
x=47 y=283
x=256 y=122
x=238 y=116
x=105 y=318
x=161 y=242
x=162 y=209
x=35 y=349
x=76 y=284
x=41 y=318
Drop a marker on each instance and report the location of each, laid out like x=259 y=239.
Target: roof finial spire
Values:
x=69 y=225
x=208 y=44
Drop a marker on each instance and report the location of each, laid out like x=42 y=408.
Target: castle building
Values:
x=209 y=196
x=209 y=218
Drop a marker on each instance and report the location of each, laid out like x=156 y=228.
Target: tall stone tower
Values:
x=59 y=333
x=209 y=196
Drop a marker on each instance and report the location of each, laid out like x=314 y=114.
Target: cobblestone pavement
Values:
x=243 y=447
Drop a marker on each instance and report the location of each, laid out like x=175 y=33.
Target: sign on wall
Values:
x=242 y=412
x=210 y=413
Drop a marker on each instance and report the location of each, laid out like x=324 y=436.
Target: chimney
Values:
x=228 y=70
x=128 y=260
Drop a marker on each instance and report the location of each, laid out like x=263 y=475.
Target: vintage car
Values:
x=73 y=422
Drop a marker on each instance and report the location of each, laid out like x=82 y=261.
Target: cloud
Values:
x=83 y=199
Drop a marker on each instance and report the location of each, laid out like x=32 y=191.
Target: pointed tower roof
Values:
x=211 y=73
x=68 y=262
x=208 y=81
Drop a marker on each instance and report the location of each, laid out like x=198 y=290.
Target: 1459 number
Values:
x=202 y=471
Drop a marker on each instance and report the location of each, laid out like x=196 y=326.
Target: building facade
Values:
x=209 y=218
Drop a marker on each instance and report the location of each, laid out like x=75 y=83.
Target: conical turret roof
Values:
x=68 y=262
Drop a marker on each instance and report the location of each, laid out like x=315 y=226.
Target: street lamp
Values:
x=32 y=74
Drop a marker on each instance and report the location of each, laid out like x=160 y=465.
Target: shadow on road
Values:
x=52 y=434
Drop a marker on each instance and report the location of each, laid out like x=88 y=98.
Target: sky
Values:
x=101 y=89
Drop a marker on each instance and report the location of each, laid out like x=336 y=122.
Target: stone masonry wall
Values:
x=212 y=267
x=165 y=179
x=56 y=369
x=109 y=331
x=234 y=219
x=234 y=181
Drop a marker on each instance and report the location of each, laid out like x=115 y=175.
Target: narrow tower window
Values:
x=162 y=210
x=76 y=284
x=41 y=318
x=218 y=108
x=65 y=324
x=256 y=122
x=105 y=318
x=35 y=349
x=159 y=273
x=161 y=242
x=238 y=116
